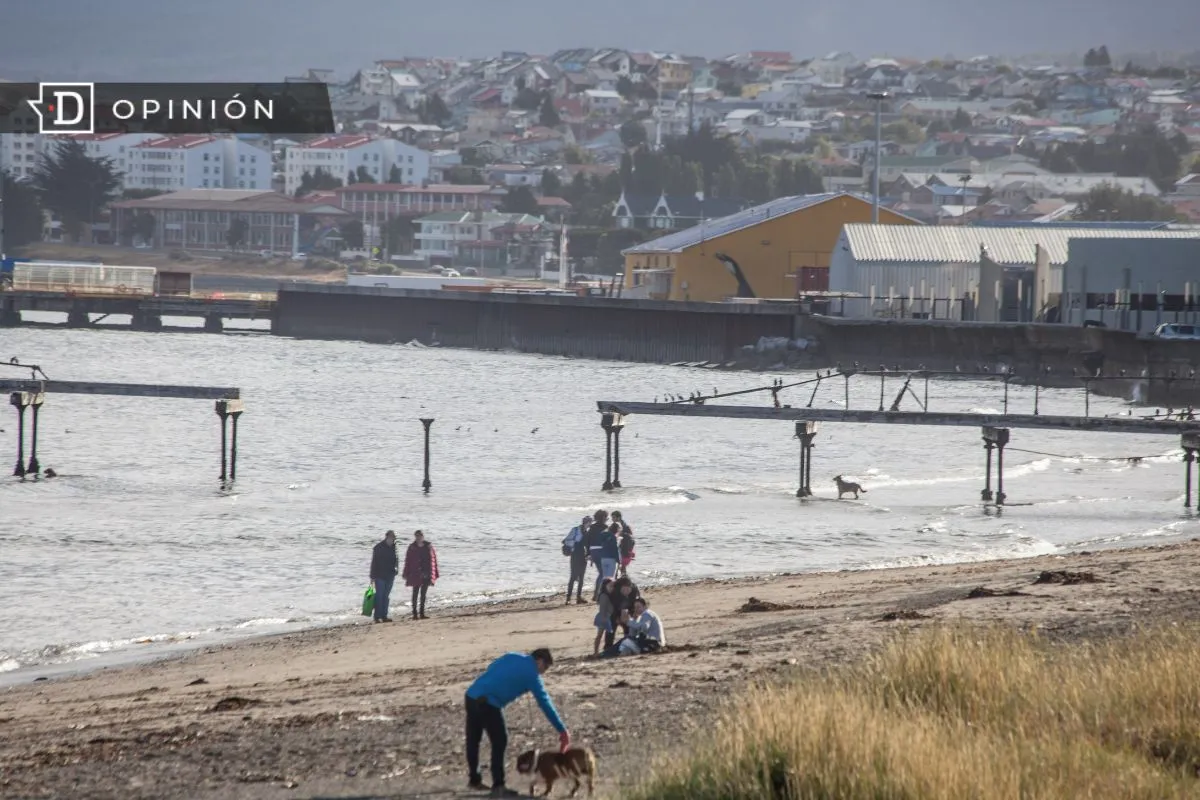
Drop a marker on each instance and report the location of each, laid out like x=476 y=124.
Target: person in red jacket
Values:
x=420 y=572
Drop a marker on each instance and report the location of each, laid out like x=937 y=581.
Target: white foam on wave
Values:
x=1024 y=547
x=671 y=496
x=9 y=664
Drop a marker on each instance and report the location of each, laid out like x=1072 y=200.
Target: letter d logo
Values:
x=66 y=107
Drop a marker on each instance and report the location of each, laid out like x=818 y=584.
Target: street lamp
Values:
x=878 y=97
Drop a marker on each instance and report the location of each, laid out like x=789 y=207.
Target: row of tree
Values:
x=1143 y=153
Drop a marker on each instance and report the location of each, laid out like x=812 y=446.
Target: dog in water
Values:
x=847 y=487
x=577 y=762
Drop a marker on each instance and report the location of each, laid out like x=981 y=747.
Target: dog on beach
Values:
x=577 y=762
x=847 y=487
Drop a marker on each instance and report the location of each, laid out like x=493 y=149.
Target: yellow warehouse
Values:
x=782 y=247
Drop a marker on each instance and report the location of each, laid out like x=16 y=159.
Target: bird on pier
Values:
x=535 y=430
x=459 y=428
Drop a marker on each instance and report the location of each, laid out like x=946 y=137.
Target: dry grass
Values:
x=963 y=713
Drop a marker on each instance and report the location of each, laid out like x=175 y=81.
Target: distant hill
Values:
x=267 y=39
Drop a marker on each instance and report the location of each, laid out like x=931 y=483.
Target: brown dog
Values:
x=550 y=766
x=848 y=487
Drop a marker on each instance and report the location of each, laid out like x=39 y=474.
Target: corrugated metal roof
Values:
x=960 y=245
x=711 y=229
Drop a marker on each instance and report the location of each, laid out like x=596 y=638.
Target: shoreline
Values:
x=363 y=709
x=132 y=656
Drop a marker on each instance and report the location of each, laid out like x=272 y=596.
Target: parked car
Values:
x=1175 y=330
x=1094 y=323
x=471 y=272
x=451 y=273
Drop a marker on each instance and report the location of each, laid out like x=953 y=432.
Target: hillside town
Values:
x=489 y=164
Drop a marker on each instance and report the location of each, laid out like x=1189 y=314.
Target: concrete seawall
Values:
x=583 y=327
x=667 y=332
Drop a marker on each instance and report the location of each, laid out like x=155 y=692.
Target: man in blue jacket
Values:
x=384 y=566
x=507 y=678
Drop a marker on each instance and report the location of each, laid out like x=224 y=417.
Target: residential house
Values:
x=602 y=103
x=619 y=62
x=1188 y=186
x=343 y=154
x=831 y=69
x=200 y=219
x=575 y=83
x=670 y=212
x=514 y=175
x=483 y=239
x=197 y=161
x=672 y=74
x=441 y=162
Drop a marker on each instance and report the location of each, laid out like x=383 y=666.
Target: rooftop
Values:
x=337 y=142
x=710 y=229
x=441 y=188
x=235 y=200
x=177 y=142
x=961 y=244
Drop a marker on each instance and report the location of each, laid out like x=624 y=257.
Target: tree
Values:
x=74 y=186
x=433 y=111
x=239 y=229
x=519 y=200
x=903 y=132
x=633 y=134
x=726 y=183
x=625 y=88
x=1102 y=57
x=464 y=176
x=808 y=179
x=360 y=175
x=1110 y=203
x=471 y=157
x=1089 y=58
x=22 y=213
x=547 y=113
x=551 y=183
x=961 y=120
x=143 y=227
x=398 y=234
x=352 y=234
x=527 y=99
x=395 y=174
x=318 y=181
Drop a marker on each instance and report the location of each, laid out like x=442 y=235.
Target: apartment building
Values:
x=20 y=149
x=341 y=156
x=198 y=161
x=387 y=200
x=113 y=146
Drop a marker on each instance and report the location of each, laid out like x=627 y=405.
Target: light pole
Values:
x=878 y=97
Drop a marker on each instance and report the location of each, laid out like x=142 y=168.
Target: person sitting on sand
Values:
x=625 y=592
x=420 y=572
x=646 y=633
x=575 y=548
x=507 y=678
x=384 y=566
x=604 y=616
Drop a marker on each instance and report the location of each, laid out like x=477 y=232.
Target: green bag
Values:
x=369 y=601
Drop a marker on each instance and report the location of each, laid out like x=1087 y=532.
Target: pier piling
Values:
x=426 y=484
x=20 y=401
x=612 y=425
x=225 y=410
x=1191 y=444
x=994 y=439
x=35 y=405
x=805 y=432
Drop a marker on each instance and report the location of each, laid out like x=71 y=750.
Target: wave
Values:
x=672 y=495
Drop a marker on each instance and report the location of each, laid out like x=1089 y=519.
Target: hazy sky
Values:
x=148 y=40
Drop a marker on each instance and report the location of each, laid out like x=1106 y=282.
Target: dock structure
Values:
x=995 y=428
x=146 y=312
x=29 y=395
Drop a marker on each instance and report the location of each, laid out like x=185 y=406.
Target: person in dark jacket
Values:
x=384 y=566
x=575 y=548
x=594 y=545
x=507 y=678
x=420 y=571
x=625 y=593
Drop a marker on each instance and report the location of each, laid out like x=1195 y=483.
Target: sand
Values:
x=376 y=710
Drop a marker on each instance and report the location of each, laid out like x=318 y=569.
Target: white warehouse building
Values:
x=934 y=272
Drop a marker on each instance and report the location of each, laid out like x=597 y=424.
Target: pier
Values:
x=996 y=428
x=146 y=312
x=28 y=395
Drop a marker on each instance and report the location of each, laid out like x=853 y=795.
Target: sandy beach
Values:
x=375 y=710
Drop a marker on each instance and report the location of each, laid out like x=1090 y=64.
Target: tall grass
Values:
x=962 y=714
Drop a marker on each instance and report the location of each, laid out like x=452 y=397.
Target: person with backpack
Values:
x=574 y=547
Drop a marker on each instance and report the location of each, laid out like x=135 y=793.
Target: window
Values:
x=206 y=170
x=242 y=158
x=410 y=161
x=253 y=170
x=253 y=159
x=205 y=184
x=242 y=171
x=206 y=156
x=241 y=184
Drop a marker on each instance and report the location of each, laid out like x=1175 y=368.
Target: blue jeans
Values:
x=383 y=591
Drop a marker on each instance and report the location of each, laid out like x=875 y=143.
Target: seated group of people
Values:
x=620 y=603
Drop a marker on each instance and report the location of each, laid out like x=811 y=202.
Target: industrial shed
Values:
x=1132 y=284
x=934 y=271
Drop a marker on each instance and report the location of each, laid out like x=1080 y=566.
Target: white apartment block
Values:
x=113 y=146
x=19 y=151
x=198 y=161
x=342 y=154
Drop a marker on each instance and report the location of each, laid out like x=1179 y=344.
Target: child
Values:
x=625 y=544
x=604 y=613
